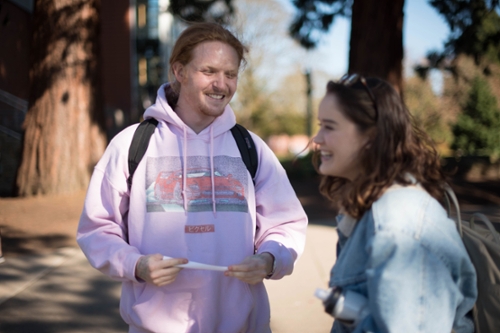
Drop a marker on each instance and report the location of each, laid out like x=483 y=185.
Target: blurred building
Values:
x=136 y=39
x=15 y=37
x=284 y=145
x=155 y=33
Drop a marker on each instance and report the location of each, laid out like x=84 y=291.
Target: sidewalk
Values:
x=61 y=293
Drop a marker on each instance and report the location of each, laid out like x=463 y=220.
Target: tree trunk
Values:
x=64 y=127
x=376 y=46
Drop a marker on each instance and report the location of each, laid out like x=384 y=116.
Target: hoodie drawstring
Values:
x=184 y=171
x=212 y=172
x=214 y=207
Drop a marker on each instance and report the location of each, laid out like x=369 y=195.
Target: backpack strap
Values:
x=247 y=148
x=146 y=128
x=139 y=145
x=451 y=198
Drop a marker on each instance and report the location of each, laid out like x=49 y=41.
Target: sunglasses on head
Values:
x=349 y=80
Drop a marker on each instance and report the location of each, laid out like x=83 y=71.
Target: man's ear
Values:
x=179 y=71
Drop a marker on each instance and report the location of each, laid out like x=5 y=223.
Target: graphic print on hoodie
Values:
x=165 y=177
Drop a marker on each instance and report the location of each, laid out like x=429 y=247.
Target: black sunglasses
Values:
x=349 y=80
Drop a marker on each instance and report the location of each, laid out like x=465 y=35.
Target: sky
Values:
x=424 y=30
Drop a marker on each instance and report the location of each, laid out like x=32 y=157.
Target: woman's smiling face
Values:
x=339 y=141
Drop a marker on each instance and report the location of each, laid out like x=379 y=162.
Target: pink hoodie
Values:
x=191 y=197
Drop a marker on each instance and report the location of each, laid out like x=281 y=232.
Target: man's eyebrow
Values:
x=211 y=68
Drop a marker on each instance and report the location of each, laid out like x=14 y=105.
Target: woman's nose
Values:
x=316 y=138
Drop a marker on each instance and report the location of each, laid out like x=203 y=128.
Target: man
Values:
x=192 y=199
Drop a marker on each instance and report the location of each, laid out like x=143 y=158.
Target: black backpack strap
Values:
x=139 y=145
x=247 y=148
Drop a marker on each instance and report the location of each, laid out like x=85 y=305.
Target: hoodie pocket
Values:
x=158 y=310
x=237 y=308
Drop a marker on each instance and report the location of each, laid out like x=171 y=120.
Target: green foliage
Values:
x=474 y=25
x=253 y=104
x=477 y=128
x=475 y=32
x=299 y=167
x=427 y=112
x=203 y=10
x=488 y=36
x=314 y=18
x=258 y=110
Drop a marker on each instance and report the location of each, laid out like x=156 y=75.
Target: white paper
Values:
x=197 y=265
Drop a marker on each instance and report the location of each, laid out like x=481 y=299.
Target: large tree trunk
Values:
x=64 y=126
x=376 y=46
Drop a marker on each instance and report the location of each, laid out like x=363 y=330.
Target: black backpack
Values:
x=146 y=128
x=483 y=245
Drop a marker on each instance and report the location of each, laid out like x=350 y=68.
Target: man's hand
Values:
x=153 y=269
x=252 y=269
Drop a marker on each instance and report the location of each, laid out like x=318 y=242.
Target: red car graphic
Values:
x=168 y=187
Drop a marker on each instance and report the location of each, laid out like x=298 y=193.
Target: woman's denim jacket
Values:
x=406 y=256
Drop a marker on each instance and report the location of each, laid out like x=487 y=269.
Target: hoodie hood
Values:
x=163 y=111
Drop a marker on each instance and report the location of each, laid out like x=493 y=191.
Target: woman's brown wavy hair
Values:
x=397 y=148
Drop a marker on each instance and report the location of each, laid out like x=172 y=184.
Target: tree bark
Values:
x=376 y=45
x=64 y=126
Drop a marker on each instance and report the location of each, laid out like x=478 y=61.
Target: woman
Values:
x=397 y=247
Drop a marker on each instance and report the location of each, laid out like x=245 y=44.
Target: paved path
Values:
x=62 y=293
x=293 y=305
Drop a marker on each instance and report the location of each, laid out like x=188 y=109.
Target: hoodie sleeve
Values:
x=281 y=220
x=102 y=230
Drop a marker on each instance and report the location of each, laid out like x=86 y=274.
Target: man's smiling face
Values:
x=207 y=83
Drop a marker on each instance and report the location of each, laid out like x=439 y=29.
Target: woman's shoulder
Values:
x=406 y=208
x=402 y=195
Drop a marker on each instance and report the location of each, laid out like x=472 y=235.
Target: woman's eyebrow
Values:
x=329 y=121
